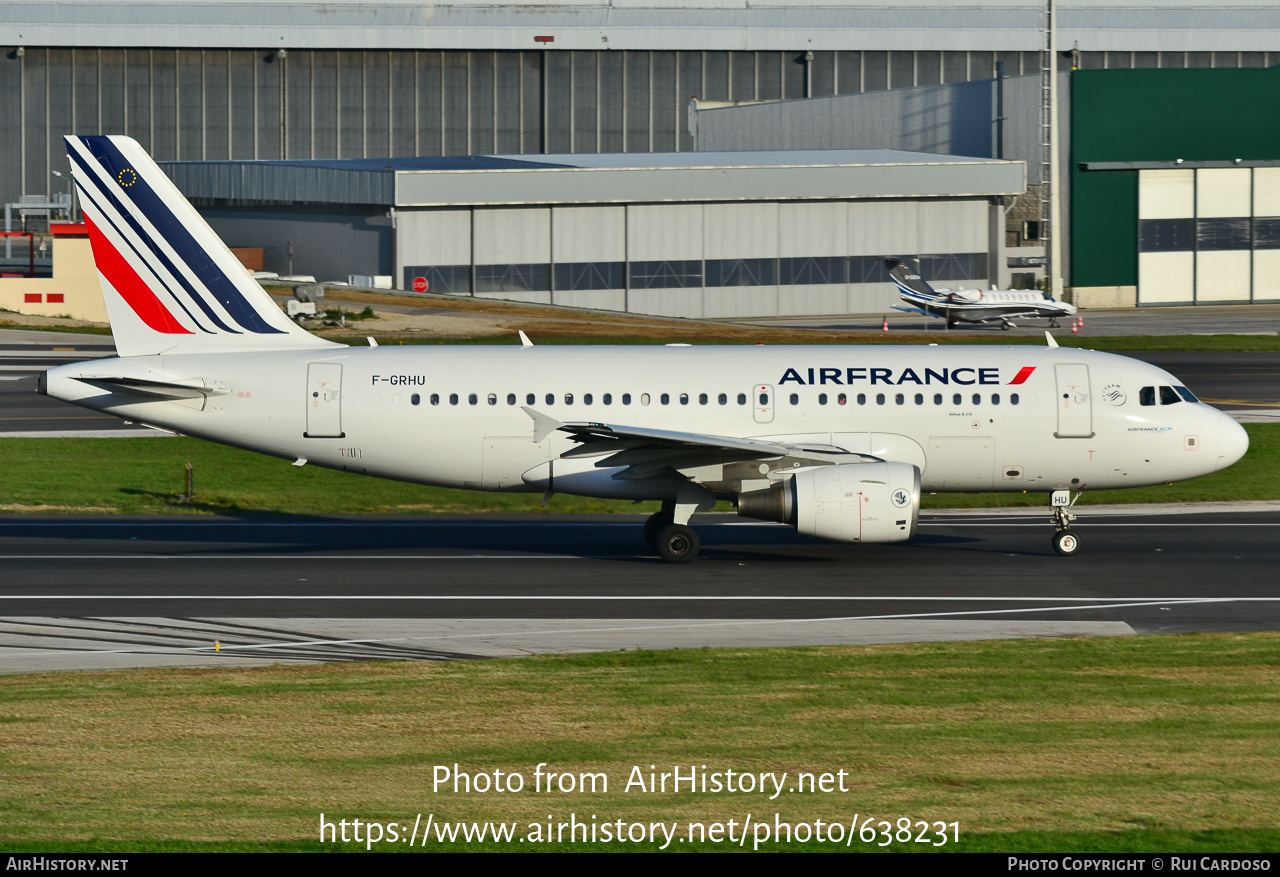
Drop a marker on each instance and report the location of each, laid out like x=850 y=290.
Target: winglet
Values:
x=543 y=425
x=1048 y=336
x=524 y=339
x=372 y=343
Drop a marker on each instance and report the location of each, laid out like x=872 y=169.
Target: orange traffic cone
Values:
x=885 y=328
x=1075 y=327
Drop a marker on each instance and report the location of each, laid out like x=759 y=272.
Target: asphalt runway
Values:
x=128 y=592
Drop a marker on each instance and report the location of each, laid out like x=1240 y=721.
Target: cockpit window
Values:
x=1186 y=394
x=1147 y=396
x=1169 y=396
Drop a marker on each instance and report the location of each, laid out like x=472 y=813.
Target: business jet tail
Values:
x=170 y=283
x=907 y=279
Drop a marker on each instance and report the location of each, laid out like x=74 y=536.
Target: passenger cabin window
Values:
x=1169 y=396
x=919 y=398
x=665 y=398
x=473 y=398
x=795 y=398
x=626 y=398
x=568 y=398
x=879 y=398
x=1147 y=396
x=511 y=398
x=955 y=400
x=530 y=399
x=684 y=398
x=937 y=398
x=842 y=399
x=493 y=398
x=742 y=398
x=453 y=398
x=702 y=398
x=723 y=399
x=435 y=398
x=551 y=398
x=587 y=398
x=415 y=399
x=607 y=398
x=822 y=398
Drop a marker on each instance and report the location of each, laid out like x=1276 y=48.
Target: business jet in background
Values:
x=839 y=442
x=973 y=305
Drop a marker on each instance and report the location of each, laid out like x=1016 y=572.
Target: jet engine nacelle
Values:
x=849 y=502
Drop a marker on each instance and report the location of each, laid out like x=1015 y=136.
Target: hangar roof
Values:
x=604 y=178
x=712 y=25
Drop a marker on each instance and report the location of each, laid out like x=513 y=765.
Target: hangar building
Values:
x=679 y=234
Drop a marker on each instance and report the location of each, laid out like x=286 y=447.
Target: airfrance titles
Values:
x=931 y=376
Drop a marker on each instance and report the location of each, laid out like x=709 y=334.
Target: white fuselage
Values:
x=970 y=418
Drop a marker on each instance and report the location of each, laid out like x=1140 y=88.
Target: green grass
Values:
x=1102 y=744
x=145 y=476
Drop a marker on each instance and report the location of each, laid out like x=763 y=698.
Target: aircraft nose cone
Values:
x=1232 y=441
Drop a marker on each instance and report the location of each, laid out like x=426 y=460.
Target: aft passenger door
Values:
x=324 y=400
x=762 y=401
x=1075 y=402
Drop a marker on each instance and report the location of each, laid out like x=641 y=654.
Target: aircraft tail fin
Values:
x=169 y=282
x=907 y=279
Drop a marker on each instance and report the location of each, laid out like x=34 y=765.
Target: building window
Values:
x=440 y=278
x=1222 y=234
x=570 y=276
x=742 y=272
x=513 y=278
x=812 y=270
x=1166 y=235
x=668 y=274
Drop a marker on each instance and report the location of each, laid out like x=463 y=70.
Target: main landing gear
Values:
x=1005 y=326
x=1065 y=540
x=674 y=543
x=668 y=533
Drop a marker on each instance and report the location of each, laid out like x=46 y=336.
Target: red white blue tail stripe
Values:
x=165 y=273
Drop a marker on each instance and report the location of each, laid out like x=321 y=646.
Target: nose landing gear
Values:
x=1065 y=541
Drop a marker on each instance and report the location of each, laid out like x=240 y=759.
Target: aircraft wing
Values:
x=648 y=451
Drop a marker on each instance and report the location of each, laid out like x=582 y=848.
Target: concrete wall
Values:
x=73 y=291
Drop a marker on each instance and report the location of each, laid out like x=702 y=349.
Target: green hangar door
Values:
x=1208 y=235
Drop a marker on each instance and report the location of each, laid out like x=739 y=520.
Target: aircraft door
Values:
x=1075 y=402
x=324 y=400
x=762 y=400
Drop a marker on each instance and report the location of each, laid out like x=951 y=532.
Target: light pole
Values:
x=71 y=211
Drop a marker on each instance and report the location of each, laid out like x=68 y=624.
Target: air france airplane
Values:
x=839 y=442
x=973 y=305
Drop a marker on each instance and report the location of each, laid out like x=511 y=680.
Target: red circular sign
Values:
x=419 y=284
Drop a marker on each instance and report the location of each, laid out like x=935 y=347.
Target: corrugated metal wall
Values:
x=188 y=104
x=952 y=119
